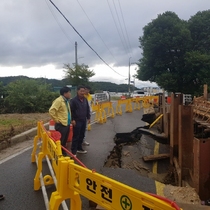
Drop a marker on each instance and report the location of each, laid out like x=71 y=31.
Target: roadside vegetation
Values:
x=176 y=53
x=13 y=124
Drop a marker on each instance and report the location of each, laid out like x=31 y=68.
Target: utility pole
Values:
x=129 y=78
x=76 y=60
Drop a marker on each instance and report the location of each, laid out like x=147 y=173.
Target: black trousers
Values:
x=64 y=130
x=78 y=136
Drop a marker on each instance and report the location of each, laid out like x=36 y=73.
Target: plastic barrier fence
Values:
x=128 y=106
x=137 y=103
x=74 y=180
x=107 y=110
x=103 y=111
x=146 y=101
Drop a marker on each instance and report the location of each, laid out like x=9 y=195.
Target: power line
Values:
x=95 y=29
x=116 y=26
x=120 y=27
x=124 y=25
x=83 y=38
x=59 y=23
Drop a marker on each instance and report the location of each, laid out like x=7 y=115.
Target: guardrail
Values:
x=74 y=180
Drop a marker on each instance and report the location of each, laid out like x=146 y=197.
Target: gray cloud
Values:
x=33 y=33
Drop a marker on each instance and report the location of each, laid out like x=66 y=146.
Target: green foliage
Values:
x=52 y=82
x=176 y=52
x=28 y=96
x=78 y=74
x=108 y=86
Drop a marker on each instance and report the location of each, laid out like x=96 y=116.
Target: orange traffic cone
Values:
x=70 y=133
x=52 y=125
x=56 y=135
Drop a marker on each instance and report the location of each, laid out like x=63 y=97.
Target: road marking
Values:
x=16 y=154
x=159 y=188
x=155 y=163
x=158 y=185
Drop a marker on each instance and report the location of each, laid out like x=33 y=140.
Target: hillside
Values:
x=95 y=86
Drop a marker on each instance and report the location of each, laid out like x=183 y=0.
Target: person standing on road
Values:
x=60 y=112
x=81 y=115
x=89 y=99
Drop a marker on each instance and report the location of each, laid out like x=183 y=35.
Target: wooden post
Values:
x=185 y=140
x=176 y=100
x=196 y=172
x=163 y=111
x=205 y=92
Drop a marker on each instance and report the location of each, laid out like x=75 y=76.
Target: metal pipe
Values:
x=155 y=120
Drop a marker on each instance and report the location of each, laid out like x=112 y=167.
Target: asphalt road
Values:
x=17 y=172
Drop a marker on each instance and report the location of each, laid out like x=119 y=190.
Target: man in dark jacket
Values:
x=80 y=117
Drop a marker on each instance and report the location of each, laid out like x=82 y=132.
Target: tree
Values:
x=78 y=74
x=28 y=96
x=171 y=56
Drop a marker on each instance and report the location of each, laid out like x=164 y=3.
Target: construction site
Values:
x=181 y=123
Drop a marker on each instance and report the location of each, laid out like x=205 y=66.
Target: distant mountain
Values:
x=95 y=86
x=54 y=82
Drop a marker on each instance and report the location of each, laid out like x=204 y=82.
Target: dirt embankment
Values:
x=13 y=124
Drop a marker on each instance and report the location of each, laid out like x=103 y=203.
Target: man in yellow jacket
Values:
x=89 y=99
x=60 y=112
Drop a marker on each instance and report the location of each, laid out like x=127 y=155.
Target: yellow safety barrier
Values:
x=103 y=111
x=147 y=101
x=128 y=106
x=99 y=115
x=110 y=194
x=107 y=110
x=50 y=148
x=74 y=180
x=137 y=103
x=96 y=109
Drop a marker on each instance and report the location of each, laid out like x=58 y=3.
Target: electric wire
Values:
x=126 y=31
x=58 y=23
x=95 y=29
x=116 y=25
x=84 y=39
x=126 y=45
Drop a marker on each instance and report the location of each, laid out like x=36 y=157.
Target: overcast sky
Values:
x=36 y=41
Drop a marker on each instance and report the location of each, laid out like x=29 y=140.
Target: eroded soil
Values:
x=13 y=124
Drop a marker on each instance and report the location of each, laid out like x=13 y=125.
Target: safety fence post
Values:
x=63 y=192
x=136 y=104
x=118 y=107
x=110 y=110
x=52 y=150
x=129 y=106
